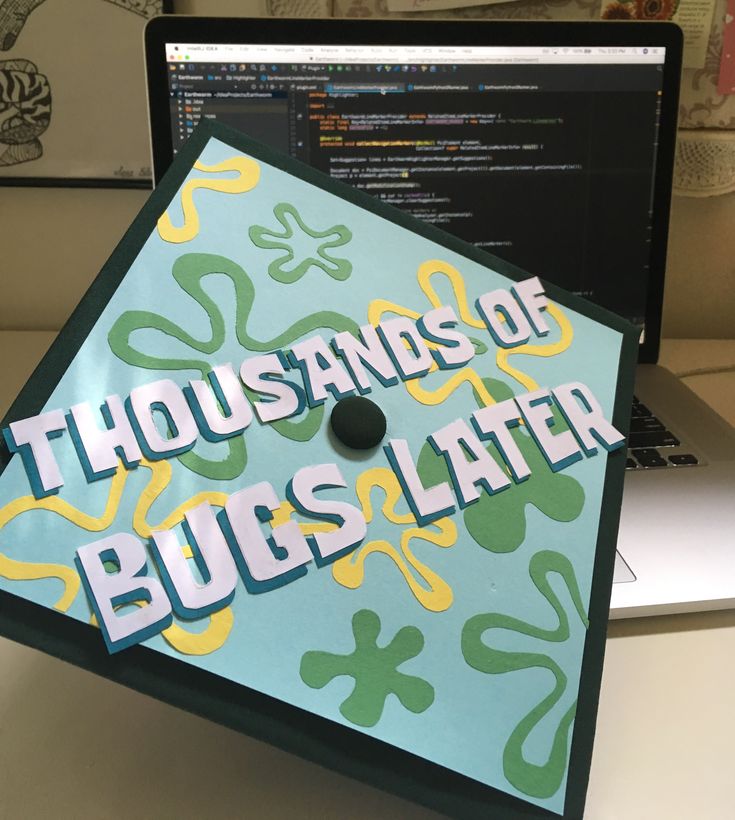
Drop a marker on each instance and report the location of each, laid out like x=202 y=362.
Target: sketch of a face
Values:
x=25 y=111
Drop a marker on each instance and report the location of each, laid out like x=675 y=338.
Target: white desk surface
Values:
x=73 y=745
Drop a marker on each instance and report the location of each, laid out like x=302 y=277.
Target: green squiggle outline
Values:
x=543 y=780
x=258 y=236
x=188 y=272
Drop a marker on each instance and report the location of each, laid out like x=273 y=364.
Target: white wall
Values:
x=699 y=298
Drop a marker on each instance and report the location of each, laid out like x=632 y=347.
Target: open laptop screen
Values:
x=544 y=155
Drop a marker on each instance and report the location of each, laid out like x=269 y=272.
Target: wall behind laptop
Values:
x=53 y=241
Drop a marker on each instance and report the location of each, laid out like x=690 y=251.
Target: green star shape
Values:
x=284 y=269
x=374 y=669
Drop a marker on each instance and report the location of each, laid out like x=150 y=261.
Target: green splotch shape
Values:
x=536 y=780
x=498 y=522
x=480 y=347
x=188 y=272
x=283 y=269
x=374 y=669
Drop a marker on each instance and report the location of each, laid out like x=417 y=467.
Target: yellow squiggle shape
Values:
x=385 y=479
x=378 y=307
x=426 y=270
x=283 y=514
x=567 y=334
x=202 y=643
x=431 y=268
x=66 y=510
x=442 y=393
x=161 y=472
x=188 y=643
x=434 y=593
x=26 y=571
x=160 y=479
x=161 y=476
x=248 y=176
x=196 y=643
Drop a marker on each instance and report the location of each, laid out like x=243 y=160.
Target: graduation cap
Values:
x=324 y=473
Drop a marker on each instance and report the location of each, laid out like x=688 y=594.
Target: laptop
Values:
x=572 y=127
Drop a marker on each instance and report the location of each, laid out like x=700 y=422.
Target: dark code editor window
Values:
x=548 y=167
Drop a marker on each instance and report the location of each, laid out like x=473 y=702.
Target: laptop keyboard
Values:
x=650 y=444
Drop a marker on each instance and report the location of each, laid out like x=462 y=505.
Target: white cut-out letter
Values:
x=30 y=439
x=426 y=505
x=100 y=450
x=584 y=415
x=190 y=598
x=163 y=396
x=532 y=298
x=367 y=351
x=127 y=584
x=216 y=424
x=321 y=370
x=516 y=329
x=438 y=326
x=493 y=423
x=351 y=523
x=264 y=563
x=457 y=440
x=559 y=450
x=412 y=361
x=264 y=374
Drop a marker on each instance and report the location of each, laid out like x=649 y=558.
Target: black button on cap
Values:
x=358 y=422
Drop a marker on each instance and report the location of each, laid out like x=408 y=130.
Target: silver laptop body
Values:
x=676 y=543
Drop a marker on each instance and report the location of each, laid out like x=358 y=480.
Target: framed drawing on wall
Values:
x=72 y=92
